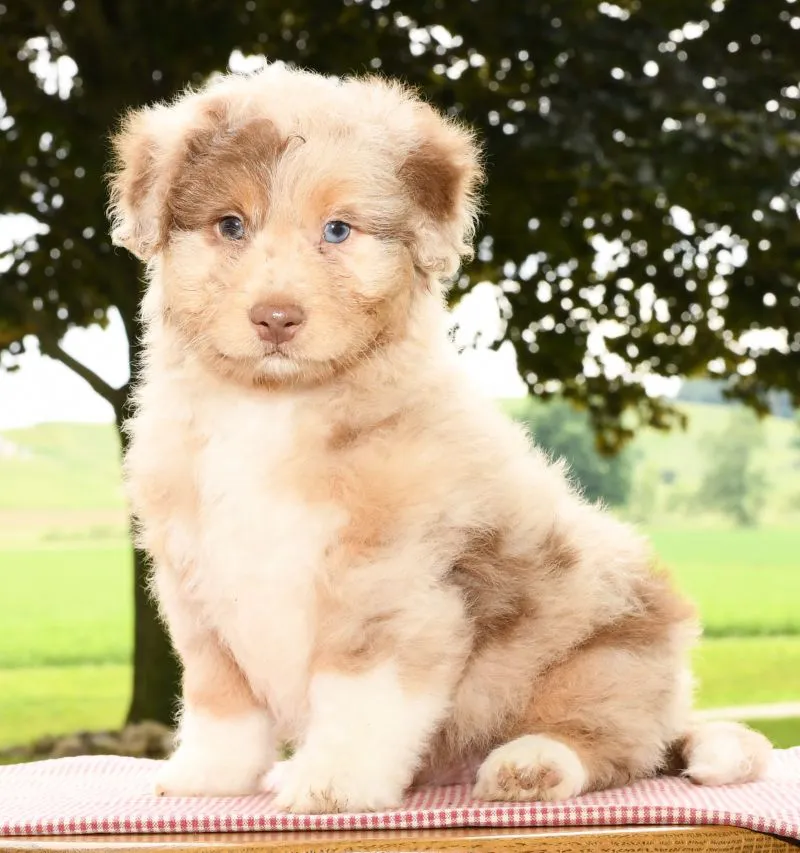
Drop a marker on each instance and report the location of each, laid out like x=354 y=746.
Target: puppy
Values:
x=353 y=553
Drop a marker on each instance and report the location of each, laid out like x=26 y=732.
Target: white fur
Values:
x=275 y=777
x=217 y=756
x=364 y=738
x=260 y=600
x=528 y=755
x=725 y=753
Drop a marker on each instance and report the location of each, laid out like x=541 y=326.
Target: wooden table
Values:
x=683 y=839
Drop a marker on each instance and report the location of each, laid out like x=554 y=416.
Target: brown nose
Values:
x=276 y=323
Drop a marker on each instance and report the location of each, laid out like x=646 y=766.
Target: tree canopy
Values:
x=662 y=133
x=642 y=158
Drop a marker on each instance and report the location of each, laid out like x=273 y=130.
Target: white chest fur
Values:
x=259 y=546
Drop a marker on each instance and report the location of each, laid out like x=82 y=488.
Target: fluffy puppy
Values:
x=351 y=551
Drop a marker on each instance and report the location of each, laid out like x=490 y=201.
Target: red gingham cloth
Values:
x=105 y=794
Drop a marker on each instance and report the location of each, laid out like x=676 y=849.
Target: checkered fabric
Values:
x=105 y=794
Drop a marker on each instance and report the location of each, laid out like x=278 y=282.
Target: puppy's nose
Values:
x=276 y=323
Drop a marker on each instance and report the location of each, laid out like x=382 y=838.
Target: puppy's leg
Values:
x=375 y=702
x=225 y=739
x=365 y=736
x=603 y=718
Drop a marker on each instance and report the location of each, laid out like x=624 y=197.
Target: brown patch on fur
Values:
x=356 y=649
x=218 y=168
x=141 y=161
x=374 y=603
x=441 y=173
x=556 y=553
x=372 y=515
x=356 y=630
x=433 y=180
x=132 y=182
x=606 y=698
x=493 y=586
x=225 y=169
x=659 y=609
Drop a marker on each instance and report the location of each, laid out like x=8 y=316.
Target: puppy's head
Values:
x=290 y=221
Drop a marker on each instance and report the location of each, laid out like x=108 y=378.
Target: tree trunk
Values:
x=156 y=677
x=156 y=673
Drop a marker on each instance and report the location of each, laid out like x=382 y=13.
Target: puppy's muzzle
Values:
x=276 y=324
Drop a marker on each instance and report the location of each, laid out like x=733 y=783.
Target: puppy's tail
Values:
x=722 y=753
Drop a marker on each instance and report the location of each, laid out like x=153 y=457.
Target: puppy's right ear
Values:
x=144 y=154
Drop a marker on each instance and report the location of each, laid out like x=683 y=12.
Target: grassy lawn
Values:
x=65 y=605
x=747 y=671
x=58 y=700
x=744 y=581
x=783 y=733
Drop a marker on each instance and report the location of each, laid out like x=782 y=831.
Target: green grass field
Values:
x=746 y=581
x=66 y=586
x=66 y=606
x=43 y=700
x=748 y=670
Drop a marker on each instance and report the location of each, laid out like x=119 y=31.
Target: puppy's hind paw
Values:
x=533 y=767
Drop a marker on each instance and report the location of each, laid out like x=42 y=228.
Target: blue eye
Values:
x=231 y=227
x=335 y=231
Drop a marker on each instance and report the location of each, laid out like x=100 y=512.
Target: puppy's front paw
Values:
x=199 y=773
x=534 y=767
x=312 y=782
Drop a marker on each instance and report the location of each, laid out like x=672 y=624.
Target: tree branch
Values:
x=115 y=396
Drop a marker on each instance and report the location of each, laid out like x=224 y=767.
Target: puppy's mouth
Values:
x=276 y=351
x=278 y=360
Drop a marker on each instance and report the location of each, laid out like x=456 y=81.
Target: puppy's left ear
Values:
x=443 y=174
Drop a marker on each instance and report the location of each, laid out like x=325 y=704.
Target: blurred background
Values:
x=635 y=298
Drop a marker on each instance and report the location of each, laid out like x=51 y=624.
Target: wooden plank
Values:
x=640 y=839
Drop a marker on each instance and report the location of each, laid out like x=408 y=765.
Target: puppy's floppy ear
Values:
x=442 y=173
x=145 y=150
